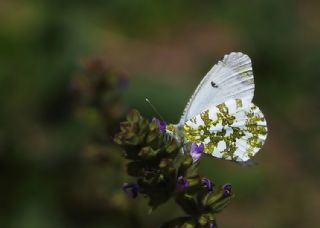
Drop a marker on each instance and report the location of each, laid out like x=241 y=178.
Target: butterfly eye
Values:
x=214 y=85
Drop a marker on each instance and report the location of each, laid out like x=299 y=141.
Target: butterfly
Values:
x=220 y=117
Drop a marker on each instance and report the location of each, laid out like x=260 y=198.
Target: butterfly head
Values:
x=175 y=131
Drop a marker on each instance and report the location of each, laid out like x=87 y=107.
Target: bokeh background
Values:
x=58 y=165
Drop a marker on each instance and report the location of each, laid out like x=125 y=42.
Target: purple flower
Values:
x=227 y=190
x=161 y=124
x=182 y=183
x=208 y=184
x=196 y=151
x=212 y=225
x=131 y=189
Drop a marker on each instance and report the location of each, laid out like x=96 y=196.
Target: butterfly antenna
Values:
x=154 y=109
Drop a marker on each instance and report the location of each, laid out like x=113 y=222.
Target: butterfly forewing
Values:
x=230 y=78
x=232 y=130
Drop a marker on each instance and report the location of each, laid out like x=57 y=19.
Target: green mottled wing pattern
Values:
x=233 y=130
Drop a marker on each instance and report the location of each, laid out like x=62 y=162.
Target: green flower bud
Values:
x=217 y=200
x=133 y=116
x=148 y=153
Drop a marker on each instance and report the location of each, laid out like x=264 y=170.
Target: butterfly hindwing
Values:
x=232 y=130
x=229 y=79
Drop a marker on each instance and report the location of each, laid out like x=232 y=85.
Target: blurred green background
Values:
x=165 y=47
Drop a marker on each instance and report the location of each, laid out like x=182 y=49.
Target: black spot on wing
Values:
x=214 y=85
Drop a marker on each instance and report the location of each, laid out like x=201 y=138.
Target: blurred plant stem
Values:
x=97 y=93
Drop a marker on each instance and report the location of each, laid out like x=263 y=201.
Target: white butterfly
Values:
x=220 y=114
